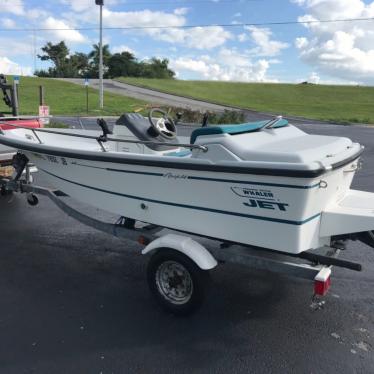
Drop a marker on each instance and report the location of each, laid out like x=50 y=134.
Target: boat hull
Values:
x=279 y=213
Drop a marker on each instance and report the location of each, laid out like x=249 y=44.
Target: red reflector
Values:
x=143 y=240
x=321 y=287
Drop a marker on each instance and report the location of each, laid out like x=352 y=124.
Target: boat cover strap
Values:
x=233 y=129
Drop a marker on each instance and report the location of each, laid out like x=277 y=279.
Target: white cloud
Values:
x=181 y=11
x=203 y=38
x=229 y=65
x=83 y=5
x=37 y=14
x=60 y=32
x=9 y=67
x=314 y=78
x=301 y=43
x=197 y=66
x=14 y=7
x=122 y=48
x=22 y=47
x=243 y=37
x=343 y=50
x=8 y=23
x=196 y=37
x=170 y=23
x=142 y=18
x=264 y=45
x=233 y=57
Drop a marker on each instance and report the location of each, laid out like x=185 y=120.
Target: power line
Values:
x=173 y=3
x=276 y=23
x=188 y=2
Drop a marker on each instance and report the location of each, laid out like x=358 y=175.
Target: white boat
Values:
x=266 y=184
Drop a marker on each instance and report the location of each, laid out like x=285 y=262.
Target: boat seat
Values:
x=233 y=129
x=140 y=127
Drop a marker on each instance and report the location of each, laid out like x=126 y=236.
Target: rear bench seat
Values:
x=233 y=129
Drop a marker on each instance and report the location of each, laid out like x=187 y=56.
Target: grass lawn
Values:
x=330 y=103
x=68 y=98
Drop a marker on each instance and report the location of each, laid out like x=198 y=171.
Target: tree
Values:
x=156 y=68
x=57 y=54
x=64 y=66
x=122 y=65
x=81 y=65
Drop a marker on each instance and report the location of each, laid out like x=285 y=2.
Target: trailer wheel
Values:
x=176 y=282
x=32 y=199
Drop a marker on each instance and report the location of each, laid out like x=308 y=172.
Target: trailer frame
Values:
x=198 y=253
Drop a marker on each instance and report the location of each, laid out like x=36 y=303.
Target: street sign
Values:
x=16 y=79
x=44 y=112
x=86 y=82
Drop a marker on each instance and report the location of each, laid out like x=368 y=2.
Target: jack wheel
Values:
x=176 y=282
x=32 y=199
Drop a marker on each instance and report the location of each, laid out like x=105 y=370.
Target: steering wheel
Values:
x=163 y=126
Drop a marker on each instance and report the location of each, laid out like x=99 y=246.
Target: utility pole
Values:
x=34 y=48
x=101 y=72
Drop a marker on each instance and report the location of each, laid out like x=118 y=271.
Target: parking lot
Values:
x=74 y=300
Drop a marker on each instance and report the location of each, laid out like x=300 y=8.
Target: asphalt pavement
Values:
x=74 y=300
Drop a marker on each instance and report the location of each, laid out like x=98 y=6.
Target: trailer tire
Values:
x=176 y=282
x=32 y=199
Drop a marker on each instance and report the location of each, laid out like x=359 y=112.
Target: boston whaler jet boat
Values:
x=265 y=184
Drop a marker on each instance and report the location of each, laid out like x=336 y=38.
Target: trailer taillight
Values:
x=321 y=288
x=322 y=282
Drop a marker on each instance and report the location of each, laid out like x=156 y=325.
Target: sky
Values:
x=324 y=53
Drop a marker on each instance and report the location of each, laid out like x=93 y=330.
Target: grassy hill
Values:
x=331 y=103
x=67 y=98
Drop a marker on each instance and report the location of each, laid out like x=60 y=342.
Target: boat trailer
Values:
x=178 y=269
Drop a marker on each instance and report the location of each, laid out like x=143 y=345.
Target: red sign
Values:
x=44 y=112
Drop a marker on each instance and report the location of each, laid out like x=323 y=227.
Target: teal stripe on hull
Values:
x=235 y=214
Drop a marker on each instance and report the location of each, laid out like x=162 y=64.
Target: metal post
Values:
x=101 y=58
x=41 y=95
x=87 y=98
x=34 y=49
x=14 y=94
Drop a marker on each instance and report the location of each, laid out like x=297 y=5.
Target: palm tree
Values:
x=94 y=57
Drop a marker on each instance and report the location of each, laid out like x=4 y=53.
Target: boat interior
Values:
x=274 y=142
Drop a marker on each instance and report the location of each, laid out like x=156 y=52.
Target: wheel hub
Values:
x=174 y=282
